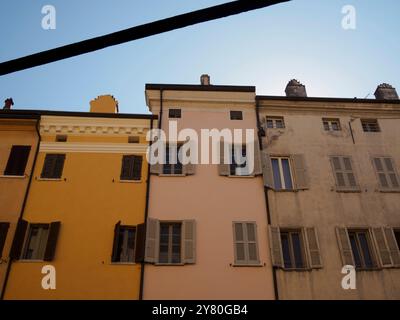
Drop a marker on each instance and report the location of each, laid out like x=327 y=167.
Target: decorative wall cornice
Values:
x=125 y=148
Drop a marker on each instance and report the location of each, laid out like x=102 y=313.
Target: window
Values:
x=170 y=242
x=236 y=115
x=174 y=113
x=246 y=247
x=241 y=155
x=53 y=166
x=370 y=125
x=275 y=122
x=343 y=171
x=292 y=249
x=331 y=124
x=61 y=138
x=124 y=244
x=397 y=237
x=131 y=167
x=387 y=176
x=172 y=163
x=17 y=161
x=361 y=248
x=36 y=242
x=133 y=139
x=3 y=235
x=282 y=173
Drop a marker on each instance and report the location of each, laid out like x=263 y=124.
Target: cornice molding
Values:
x=124 y=148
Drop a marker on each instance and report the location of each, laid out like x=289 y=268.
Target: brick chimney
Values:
x=8 y=103
x=205 y=80
x=386 y=92
x=104 y=104
x=295 y=89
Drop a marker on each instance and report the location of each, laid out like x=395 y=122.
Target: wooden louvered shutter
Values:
x=345 y=246
x=59 y=166
x=19 y=237
x=140 y=242
x=155 y=168
x=127 y=168
x=223 y=168
x=300 y=172
x=275 y=246
x=267 y=170
x=3 y=235
x=313 y=249
x=17 y=160
x=137 y=167
x=152 y=240
x=52 y=241
x=114 y=253
x=393 y=247
x=239 y=242
x=189 y=241
x=381 y=246
x=48 y=166
x=189 y=168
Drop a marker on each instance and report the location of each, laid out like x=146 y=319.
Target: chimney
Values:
x=205 y=80
x=104 y=104
x=8 y=103
x=386 y=92
x=295 y=89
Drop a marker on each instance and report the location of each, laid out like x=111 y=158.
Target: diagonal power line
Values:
x=134 y=33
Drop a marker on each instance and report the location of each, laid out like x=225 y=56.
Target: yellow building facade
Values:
x=85 y=209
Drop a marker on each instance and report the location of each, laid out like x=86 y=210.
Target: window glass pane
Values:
x=365 y=250
x=354 y=248
x=378 y=164
x=340 y=179
x=240 y=251
x=239 y=232
x=270 y=123
x=388 y=164
x=252 y=251
x=131 y=244
x=297 y=250
x=335 y=126
x=279 y=123
x=176 y=253
x=397 y=235
x=336 y=163
x=347 y=163
x=352 y=179
x=393 y=179
x=163 y=257
x=276 y=172
x=251 y=233
x=286 y=250
x=326 y=125
x=382 y=180
x=32 y=242
x=286 y=174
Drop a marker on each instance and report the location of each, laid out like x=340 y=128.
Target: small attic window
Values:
x=133 y=139
x=61 y=138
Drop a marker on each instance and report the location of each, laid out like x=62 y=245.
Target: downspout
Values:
x=351 y=131
x=24 y=202
x=276 y=290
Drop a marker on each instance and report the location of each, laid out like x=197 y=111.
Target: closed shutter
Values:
x=156 y=167
x=344 y=175
x=267 y=170
x=313 y=249
x=3 y=235
x=189 y=241
x=127 y=167
x=52 y=241
x=275 y=246
x=300 y=172
x=382 y=248
x=345 y=246
x=53 y=166
x=137 y=167
x=387 y=176
x=239 y=242
x=223 y=168
x=257 y=159
x=140 y=242
x=392 y=245
x=19 y=237
x=189 y=168
x=17 y=160
x=59 y=166
x=152 y=240
x=114 y=253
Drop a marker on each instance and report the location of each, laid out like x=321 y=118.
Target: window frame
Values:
x=125 y=229
x=365 y=124
x=236 y=115
x=176 y=169
x=245 y=241
x=327 y=124
x=174 y=113
x=170 y=243
x=281 y=172
x=371 y=248
x=27 y=241
x=289 y=232
x=274 y=120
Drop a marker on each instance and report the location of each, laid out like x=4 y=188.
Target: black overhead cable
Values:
x=134 y=33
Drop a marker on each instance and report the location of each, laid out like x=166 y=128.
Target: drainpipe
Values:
x=24 y=202
x=276 y=290
x=351 y=131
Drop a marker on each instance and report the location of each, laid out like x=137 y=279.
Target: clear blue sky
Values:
x=300 y=39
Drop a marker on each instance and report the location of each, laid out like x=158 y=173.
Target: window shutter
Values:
x=140 y=242
x=344 y=246
x=392 y=245
x=381 y=246
x=300 y=171
x=223 y=169
x=313 y=249
x=267 y=170
x=152 y=240
x=59 y=165
x=189 y=168
x=137 y=167
x=239 y=242
x=19 y=237
x=17 y=160
x=275 y=246
x=155 y=168
x=127 y=167
x=257 y=159
x=48 y=166
x=3 y=235
x=189 y=241
x=391 y=172
x=114 y=254
x=52 y=241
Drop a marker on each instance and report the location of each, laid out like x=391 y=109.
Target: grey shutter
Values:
x=313 y=249
x=189 y=241
x=345 y=246
x=152 y=240
x=300 y=171
x=114 y=253
x=275 y=246
x=52 y=241
x=391 y=173
x=257 y=159
x=223 y=169
x=267 y=170
x=239 y=242
x=381 y=246
x=3 y=235
x=19 y=237
x=392 y=245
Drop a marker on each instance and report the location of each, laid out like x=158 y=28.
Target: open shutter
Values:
x=140 y=242
x=275 y=246
x=3 y=235
x=267 y=170
x=223 y=169
x=189 y=241
x=19 y=237
x=257 y=159
x=114 y=254
x=382 y=247
x=152 y=240
x=313 y=249
x=52 y=241
x=345 y=246
x=300 y=171
x=392 y=245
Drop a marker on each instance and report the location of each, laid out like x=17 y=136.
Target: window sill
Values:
x=31 y=261
x=172 y=175
x=389 y=190
x=50 y=179
x=347 y=190
x=244 y=176
x=13 y=177
x=297 y=269
x=123 y=263
x=254 y=265
x=169 y=264
x=130 y=181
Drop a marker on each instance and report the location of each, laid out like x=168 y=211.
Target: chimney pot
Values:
x=295 y=89
x=386 y=92
x=8 y=103
x=205 y=80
